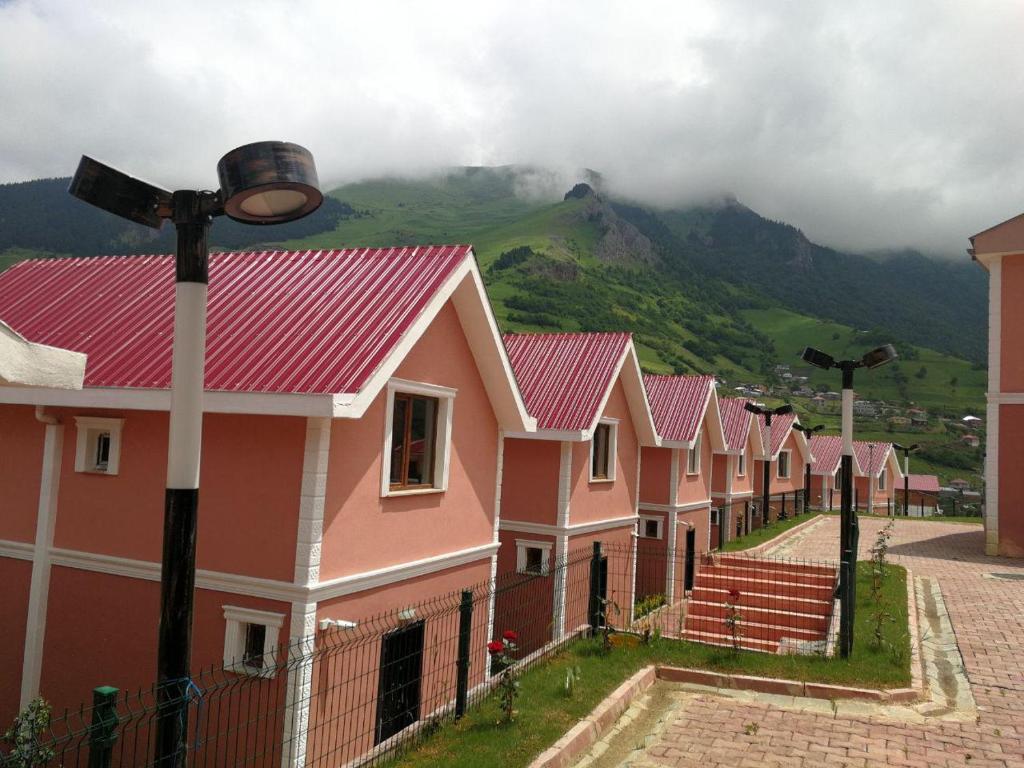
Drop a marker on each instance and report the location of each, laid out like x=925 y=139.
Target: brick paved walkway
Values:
x=703 y=729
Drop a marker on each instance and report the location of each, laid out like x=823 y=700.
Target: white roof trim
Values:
x=25 y=364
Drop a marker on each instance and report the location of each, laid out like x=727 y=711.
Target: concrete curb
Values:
x=785 y=687
x=582 y=736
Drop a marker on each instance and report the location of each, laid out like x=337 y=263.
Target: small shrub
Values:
x=647 y=605
x=25 y=737
x=508 y=686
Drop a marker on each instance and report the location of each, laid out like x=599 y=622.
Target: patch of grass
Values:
x=964 y=519
x=761 y=535
x=545 y=711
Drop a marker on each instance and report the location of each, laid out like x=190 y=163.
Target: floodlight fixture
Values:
x=783 y=409
x=116 y=192
x=268 y=182
x=817 y=358
x=808 y=430
x=906 y=448
x=879 y=356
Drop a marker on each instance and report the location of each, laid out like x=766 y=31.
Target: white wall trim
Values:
x=312 y=498
x=688 y=507
x=17 y=550
x=562 y=540
x=499 y=474
x=673 y=522
x=39 y=586
x=560 y=435
x=544 y=529
x=995 y=399
x=1005 y=398
x=298 y=694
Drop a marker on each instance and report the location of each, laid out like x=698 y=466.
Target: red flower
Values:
x=495 y=646
x=734 y=595
x=510 y=635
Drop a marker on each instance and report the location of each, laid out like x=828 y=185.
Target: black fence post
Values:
x=462 y=664
x=691 y=554
x=596 y=609
x=103 y=726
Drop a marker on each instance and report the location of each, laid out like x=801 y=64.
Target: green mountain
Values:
x=710 y=289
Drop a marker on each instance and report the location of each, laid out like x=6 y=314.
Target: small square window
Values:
x=650 y=527
x=98 y=445
x=532 y=557
x=534 y=560
x=250 y=641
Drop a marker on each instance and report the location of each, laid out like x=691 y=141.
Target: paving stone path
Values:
x=984 y=598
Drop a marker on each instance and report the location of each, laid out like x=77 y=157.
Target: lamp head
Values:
x=899 y=447
x=879 y=356
x=116 y=192
x=817 y=358
x=749 y=406
x=269 y=182
x=782 y=410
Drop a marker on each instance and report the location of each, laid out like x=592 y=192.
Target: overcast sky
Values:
x=897 y=123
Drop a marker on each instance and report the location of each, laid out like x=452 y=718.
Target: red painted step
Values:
x=718 y=611
x=753 y=600
x=763 y=586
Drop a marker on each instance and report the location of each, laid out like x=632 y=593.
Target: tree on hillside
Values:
x=922 y=372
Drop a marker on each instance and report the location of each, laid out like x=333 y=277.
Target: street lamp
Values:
x=767 y=413
x=264 y=183
x=907 y=450
x=848 y=532
x=808 y=433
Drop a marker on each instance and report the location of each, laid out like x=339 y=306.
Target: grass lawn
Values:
x=761 y=535
x=967 y=519
x=545 y=711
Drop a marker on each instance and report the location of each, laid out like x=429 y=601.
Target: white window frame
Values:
x=442 y=439
x=715 y=517
x=236 y=620
x=789 y=465
x=656 y=518
x=881 y=480
x=693 y=455
x=613 y=443
x=89 y=429
x=545 y=555
x=741 y=465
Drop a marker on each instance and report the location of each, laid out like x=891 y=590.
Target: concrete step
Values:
x=774 y=574
x=750 y=629
x=765 y=564
x=725 y=641
x=718 y=612
x=758 y=584
x=773 y=602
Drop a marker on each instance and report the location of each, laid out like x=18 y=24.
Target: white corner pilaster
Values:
x=995 y=320
x=311 y=501
x=302 y=642
x=562 y=540
x=39 y=587
x=673 y=522
x=495 y=540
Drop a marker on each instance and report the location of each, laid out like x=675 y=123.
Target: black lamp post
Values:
x=849 y=534
x=767 y=413
x=263 y=183
x=808 y=433
x=907 y=450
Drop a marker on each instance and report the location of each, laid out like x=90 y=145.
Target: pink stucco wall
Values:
x=529 y=480
x=15 y=576
x=21 y=456
x=1011 y=481
x=1011 y=361
x=250 y=479
x=603 y=500
x=696 y=487
x=655 y=474
x=411 y=527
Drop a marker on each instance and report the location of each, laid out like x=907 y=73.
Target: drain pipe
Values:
x=44 y=418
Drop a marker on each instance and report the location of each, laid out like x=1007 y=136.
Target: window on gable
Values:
x=881 y=482
x=784 y=464
x=741 y=469
x=693 y=457
x=413 y=441
x=602 y=452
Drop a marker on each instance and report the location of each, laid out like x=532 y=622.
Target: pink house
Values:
x=880 y=473
x=355 y=406
x=732 y=478
x=575 y=480
x=1000 y=250
x=675 y=478
x=825 y=477
x=787 y=459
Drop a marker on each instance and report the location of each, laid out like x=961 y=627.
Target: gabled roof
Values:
x=324 y=329
x=873 y=456
x=680 y=405
x=566 y=379
x=923 y=483
x=24 y=364
x=828 y=453
x=1003 y=238
x=782 y=426
x=737 y=425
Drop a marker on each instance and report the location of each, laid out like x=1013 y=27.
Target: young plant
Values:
x=572 y=679
x=508 y=686
x=733 y=618
x=25 y=737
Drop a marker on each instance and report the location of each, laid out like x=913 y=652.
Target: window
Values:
x=98 y=445
x=532 y=557
x=250 y=641
x=650 y=527
x=602 y=451
x=714 y=516
x=693 y=457
x=417 y=438
x=881 y=481
x=414 y=428
x=741 y=468
x=783 y=471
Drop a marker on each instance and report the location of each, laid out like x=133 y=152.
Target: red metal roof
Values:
x=871 y=456
x=564 y=377
x=678 y=404
x=735 y=422
x=827 y=451
x=312 y=322
x=781 y=427
x=924 y=483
